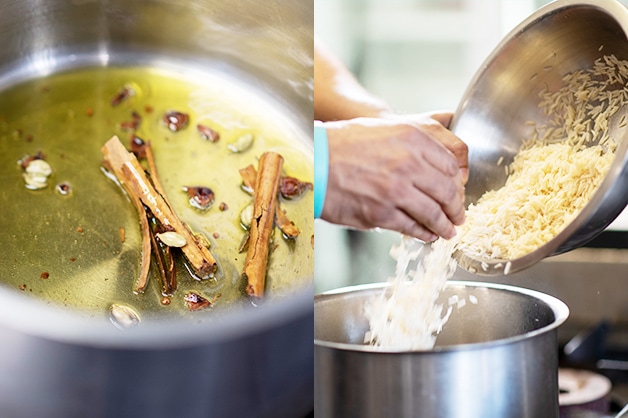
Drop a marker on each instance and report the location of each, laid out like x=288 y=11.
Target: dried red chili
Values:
x=201 y=197
x=44 y=275
x=175 y=121
x=208 y=133
x=291 y=188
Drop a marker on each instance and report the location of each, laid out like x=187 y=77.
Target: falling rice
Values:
x=550 y=180
x=407 y=315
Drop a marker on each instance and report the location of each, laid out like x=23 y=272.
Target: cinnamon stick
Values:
x=287 y=227
x=163 y=257
x=132 y=177
x=142 y=280
x=152 y=168
x=264 y=206
x=249 y=177
x=163 y=253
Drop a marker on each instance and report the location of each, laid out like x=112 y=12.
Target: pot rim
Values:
x=42 y=319
x=558 y=307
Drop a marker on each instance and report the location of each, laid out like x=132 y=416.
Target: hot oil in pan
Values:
x=82 y=249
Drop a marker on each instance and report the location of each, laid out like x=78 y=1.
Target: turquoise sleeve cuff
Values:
x=321 y=168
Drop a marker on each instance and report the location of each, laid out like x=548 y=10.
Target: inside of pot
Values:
x=481 y=313
x=76 y=241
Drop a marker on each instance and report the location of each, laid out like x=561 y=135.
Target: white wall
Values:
x=417 y=54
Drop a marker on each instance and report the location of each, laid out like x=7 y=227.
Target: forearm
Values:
x=337 y=94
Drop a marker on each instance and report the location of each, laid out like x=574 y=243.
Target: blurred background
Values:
x=420 y=55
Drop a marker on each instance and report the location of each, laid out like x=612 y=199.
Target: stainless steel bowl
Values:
x=57 y=363
x=495 y=358
x=557 y=39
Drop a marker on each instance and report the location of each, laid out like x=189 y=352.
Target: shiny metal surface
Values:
x=557 y=39
x=496 y=358
x=58 y=364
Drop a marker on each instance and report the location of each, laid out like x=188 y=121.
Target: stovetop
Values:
x=602 y=349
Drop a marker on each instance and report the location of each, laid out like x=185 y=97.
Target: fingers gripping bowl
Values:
x=502 y=102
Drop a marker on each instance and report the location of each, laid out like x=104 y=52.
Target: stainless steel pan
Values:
x=258 y=363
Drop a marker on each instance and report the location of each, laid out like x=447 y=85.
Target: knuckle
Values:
x=433 y=213
x=450 y=193
x=460 y=149
x=376 y=215
x=396 y=190
x=416 y=230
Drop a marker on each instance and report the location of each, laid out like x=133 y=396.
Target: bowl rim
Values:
x=557 y=245
x=558 y=307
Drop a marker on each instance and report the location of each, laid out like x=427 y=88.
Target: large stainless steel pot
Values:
x=495 y=358
x=258 y=363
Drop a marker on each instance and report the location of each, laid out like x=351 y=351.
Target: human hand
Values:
x=398 y=173
x=433 y=123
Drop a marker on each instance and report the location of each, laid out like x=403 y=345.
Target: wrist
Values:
x=321 y=168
